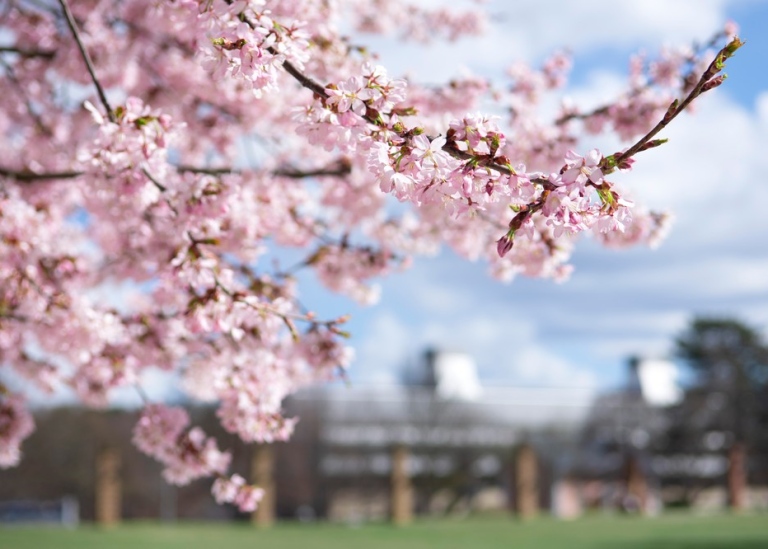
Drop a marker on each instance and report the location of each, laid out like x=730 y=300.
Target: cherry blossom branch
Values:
x=450 y=148
x=289 y=67
x=28 y=53
x=10 y=74
x=29 y=176
x=160 y=187
x=13 y=316
x=287 y=318
x=341 y=169
x=708 y=81
x=253 y=296
x=338 y=169
x=687 y=82
x=300 y=77
x=184 y=168
x=50 y=298
x=87 y=58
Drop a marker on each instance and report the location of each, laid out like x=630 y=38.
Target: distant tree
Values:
x=731 y=358
x=725 y=350
x=730 y=362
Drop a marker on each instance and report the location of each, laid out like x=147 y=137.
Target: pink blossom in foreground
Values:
x=140 y=229
x=235 y=490
x=187 y=454
x=16 y=424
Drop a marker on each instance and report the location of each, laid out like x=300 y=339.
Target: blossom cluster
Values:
x=187 y=454
x=417 y=23
x=246 y=42
x=235 y=490
x=16 y=424
x=141 y=228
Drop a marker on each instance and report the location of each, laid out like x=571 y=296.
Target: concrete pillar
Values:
x=637 y=487
x=402 y=491
x=526 y=482
x=108 y=488
x=737 y=477
x=262 y=474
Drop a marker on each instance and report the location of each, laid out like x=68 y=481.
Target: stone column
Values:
x=262 y=474
x=526 y=482
x=737 y=477
x=402 y=491
x=637 y=486
x=108 y=488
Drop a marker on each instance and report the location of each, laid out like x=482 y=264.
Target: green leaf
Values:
x=606 y=196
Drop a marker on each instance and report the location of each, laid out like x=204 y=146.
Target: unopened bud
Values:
x=653 y=143
x=671 y=111
x=504 y=244
x=625 y=163
x=714 y=82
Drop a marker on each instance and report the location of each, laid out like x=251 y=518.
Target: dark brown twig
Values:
x=339 y=169
x=11 y=75
x=88 y=63
x=23 y=52
x=706 y=82
x=29 y=177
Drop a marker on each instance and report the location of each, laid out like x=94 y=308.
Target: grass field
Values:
x=667 y=532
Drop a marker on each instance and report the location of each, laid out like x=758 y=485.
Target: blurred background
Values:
x=441 y=443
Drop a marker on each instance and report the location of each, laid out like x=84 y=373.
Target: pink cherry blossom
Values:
x=16 y=424
x=150 y=179
x=235 y=490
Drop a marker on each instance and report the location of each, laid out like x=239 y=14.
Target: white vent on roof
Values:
x=658 y=382
x=455 y=376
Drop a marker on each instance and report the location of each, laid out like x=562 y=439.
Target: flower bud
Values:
x=504 y=244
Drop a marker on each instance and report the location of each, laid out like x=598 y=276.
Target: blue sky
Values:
x=711 y=175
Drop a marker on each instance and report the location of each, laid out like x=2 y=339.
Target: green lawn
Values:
x=668 y=532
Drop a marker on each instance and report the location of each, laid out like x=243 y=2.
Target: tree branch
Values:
x=23 y=52
x=88 y=63
x=11 y=75
x=708 y=81
x=301 y=78
x=185 y=168
x=28 y=176
x=339 y=169
x=289 y=67
x=686 y=82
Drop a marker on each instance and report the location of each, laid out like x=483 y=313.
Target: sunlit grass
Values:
x=667 y=532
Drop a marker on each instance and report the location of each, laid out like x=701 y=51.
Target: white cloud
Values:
x=761 y=107
x=536 y=366
x=506 y=349
x=527 y=30
x=429 y=294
